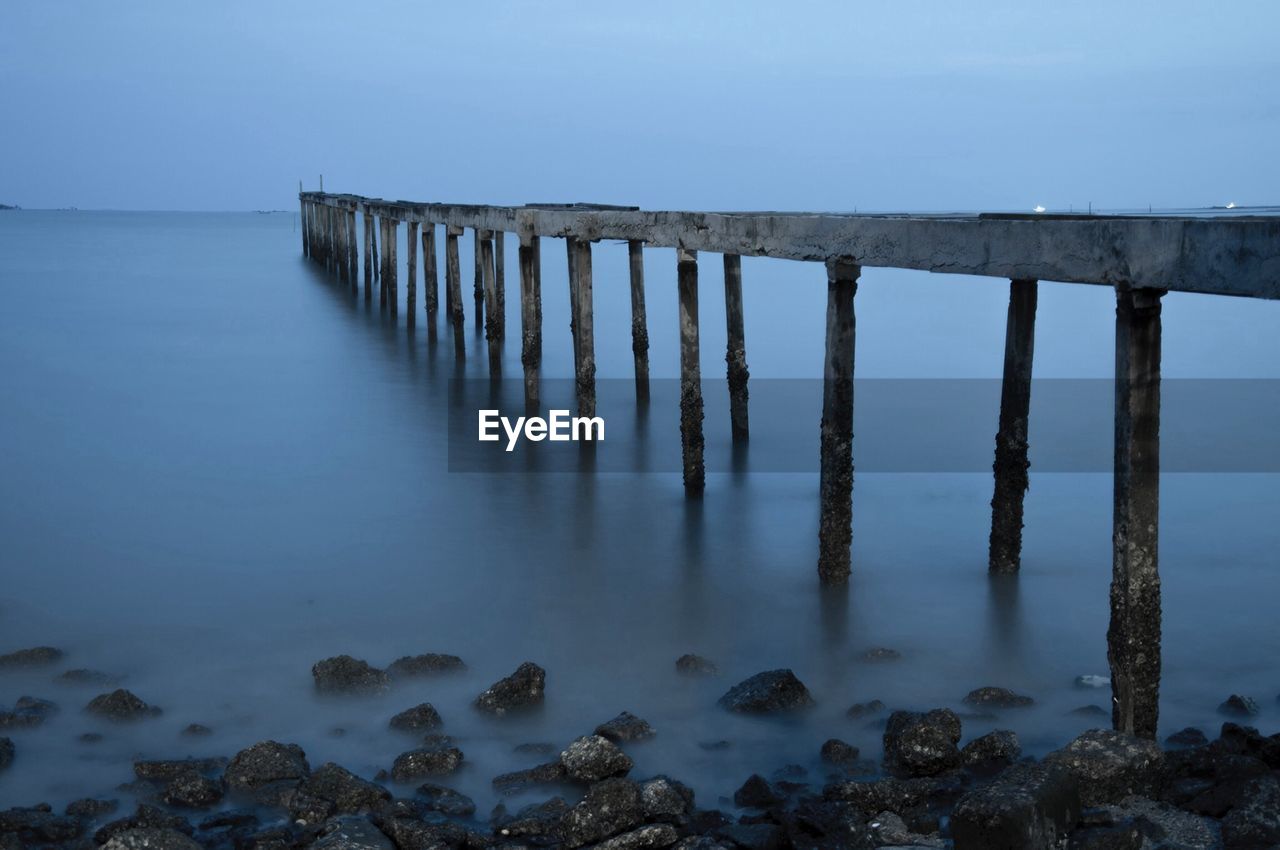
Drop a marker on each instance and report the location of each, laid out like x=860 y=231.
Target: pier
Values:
x=1139 y=257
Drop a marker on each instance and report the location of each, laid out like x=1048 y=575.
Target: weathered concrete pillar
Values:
x=377 y=256
x=500 y=281
x=735 y=355
x=530 y=317
x=429 y=275
x=586 y=341
x=835 y=480
x=571 y=251
x=368 y=256
x=691 y=440
x=324 y=235
x=479 y=278
x=382 y=261
x=302 y=223
x=340 y=237
x=639 y=320
x=353 y=268
x=491 y=302
x=1011 y=464
x=411 y=290
x=1133 y=639
x=389 y=248
x=453 y=276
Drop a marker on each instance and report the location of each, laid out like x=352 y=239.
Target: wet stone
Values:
x=537 y=820
x=1238 y=706
x=992 y=751
x=1027 y=807
x=922 y=744
x=769 y=692
x=343 y=674
x=166 y=769
x=865 y=709
x=37 y=656
x=520 y=780
x=625 y=727
x=418 y=718
x=754 y=836
x=1090 y=711
x=150 y=839
x=89 y=809
x=644 y=838
x=837 y=752
x=428 y=664
x=81 y=676
x=144 y=817
x=990 y=697
x=538 y=748
x=27 y=712
x=353 y=834
x=265 y=763
x=757 y=793
x=429 y=761
x=349 y=794
x=665 y=800
x=1255 y=819
x=190 y=790
x=196 y=730
x=609 y=808
x=594 y=757
x=695 y=665
x=120 y=706
x=446 y=801
x=523 y=689
x=1110 y=765
x=1188 y=737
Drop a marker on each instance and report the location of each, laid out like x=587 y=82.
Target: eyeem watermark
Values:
x=559 y=427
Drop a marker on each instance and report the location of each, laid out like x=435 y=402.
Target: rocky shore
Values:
x=930 y=787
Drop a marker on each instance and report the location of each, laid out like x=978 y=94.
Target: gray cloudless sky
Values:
x=720 y=105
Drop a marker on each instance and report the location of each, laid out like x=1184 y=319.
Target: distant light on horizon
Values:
x=1231 y=205
x=1038 y=209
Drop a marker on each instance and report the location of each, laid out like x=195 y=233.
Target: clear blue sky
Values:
x=823 y=105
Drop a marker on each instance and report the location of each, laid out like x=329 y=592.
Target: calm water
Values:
x=219 y=467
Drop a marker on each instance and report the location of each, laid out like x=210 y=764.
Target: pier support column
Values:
x=571 y=252
x=429 y=274
x=500 y=281
x=1011 y=464
x=736 y=350
x=326 y=235
x=353 y=260
x=1133 y=639
x=389 y=246
x=377 y=255
x=835 y=480
x=491 y=302
x=411 y=289
x=382 y=260
x=340 y=236
x=368 y=257
x=530 y=318
x=453 y=276
x=691 y=440
x=586 y=341
x=479 y=278
x=639 y=320
x=302 y=225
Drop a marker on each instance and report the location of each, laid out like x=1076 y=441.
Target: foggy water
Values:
x=220 y=466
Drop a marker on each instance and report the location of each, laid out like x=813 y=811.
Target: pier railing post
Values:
x=530 y=318
x=586 y=343
x=411 y=273
x=691 y=439
x=368 y=257
x=453 y=277
x=1011 y=463
x=1133 y=638
x=835 y=487
x=639 y=320
x=736 y=349
x=490 y=303
x=429 y=274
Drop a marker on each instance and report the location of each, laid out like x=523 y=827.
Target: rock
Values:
x=38 y=825
x=626 y=727
x=1188 y=737
x=1110 y=765
x=922 y=744
x=144 y=817
x=523 y=689
x=1027 y=807
x=538 y=820
x=644 y=838
x=1090 y=680
x=891 y=830
x=766 y=693
x=665 y=800
x=992 y=751
x=997 y=698
x=539 y=748
x=417 y=718
x=353 y=834
x=520 y=780
x=190 y=790
x=609 y=808
x=7 y=752
x=348 y=793
x=265 y=763
x=38 y=656
x=1255 y=820
x=150 y=839
x=699 y=842
x=879 y=654
x=166 y=769
x=429 y=664
x=120 y=706
x=594 y=757
x=757 y=793
x=695 y=665
x=36 y=707
x=1157 y=824
x=1238 y=706
x=343 y=674
x=429 y=761
x=86 y=677
x=88 y=809
x=864 y=709
x=891 y=794
x=837 y=752
x=446 y=801
x=754 y=836
x=1090 y=711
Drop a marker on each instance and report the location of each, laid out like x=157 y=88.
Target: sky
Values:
x=679 y=105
